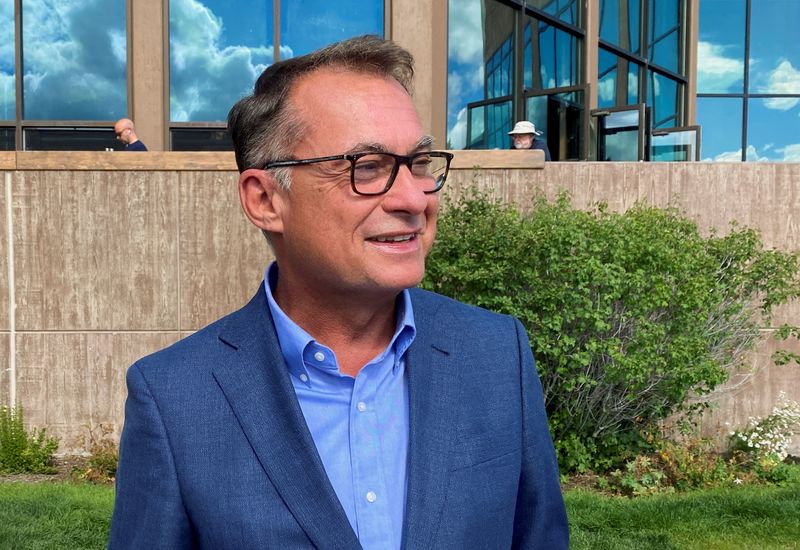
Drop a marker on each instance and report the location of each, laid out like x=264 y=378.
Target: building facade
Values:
x=602 y=79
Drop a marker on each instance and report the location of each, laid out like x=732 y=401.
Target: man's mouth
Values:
x=395 y=238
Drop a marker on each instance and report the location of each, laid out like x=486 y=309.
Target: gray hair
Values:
x=264 y=127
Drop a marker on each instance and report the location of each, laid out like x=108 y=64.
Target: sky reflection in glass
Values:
x=73 y=58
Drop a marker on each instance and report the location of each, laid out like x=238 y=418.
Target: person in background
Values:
x=523 y=136
x=126 y=133
x=341 y=408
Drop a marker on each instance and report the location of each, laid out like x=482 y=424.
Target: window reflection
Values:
x=307 y=25
x=8 y=93
x=664 y=47
x=619 y=23
x=720 y=48
x=480 y=73
x=217 y=50
x=568 y=11
x=774 y=55
x=664 y=100
x=721 y=121
x=74 y=59
x=619 y=135
x=618 y=80
x=552 y=56
x=769 y=137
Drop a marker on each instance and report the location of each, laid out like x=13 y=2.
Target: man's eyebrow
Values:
x=425 y=142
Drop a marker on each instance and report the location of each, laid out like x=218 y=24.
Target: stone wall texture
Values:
x=106 y=257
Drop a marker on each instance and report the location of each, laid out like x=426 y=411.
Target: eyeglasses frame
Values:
x=407 y=160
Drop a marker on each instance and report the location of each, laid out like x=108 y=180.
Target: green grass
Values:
x=737 y=518
x=54 y=515
x=75 y=516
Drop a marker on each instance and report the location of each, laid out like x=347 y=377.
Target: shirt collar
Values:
x=293 y=340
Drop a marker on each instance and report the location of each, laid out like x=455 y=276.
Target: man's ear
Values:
x=261 y=199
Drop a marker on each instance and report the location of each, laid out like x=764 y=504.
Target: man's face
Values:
x=333 y=240
x=123 y=133
x=522 y=141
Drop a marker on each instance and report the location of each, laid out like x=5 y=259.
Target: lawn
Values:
x=74 y=516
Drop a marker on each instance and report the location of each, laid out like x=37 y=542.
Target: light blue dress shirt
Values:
x=359 y=425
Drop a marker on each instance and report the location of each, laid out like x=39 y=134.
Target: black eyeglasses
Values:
x=374 y=173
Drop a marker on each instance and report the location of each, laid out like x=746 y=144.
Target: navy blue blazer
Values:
x=215 y=452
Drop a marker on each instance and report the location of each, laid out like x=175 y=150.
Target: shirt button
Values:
x=371 y=496
x=362 y=406
x=319 y=356
x=304 y=377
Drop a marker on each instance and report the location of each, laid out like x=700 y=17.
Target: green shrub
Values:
x=628 y=314
x=21 y=452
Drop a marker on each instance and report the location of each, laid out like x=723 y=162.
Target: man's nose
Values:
x=406 y=193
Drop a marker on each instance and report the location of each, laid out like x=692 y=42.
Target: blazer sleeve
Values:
x=148 y=509
x=540 y=520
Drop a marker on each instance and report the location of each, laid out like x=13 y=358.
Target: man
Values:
x=126 y=133
x=523 y=136
x=339 y=409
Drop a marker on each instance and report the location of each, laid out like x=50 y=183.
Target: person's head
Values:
x=125 y=131
x=523 y=134
x=327 y=228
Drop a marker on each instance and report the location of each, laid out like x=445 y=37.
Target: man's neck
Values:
x=356 y=328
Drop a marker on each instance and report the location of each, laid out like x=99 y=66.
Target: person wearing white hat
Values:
x=523 y=136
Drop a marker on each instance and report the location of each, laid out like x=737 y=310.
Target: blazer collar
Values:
x=257 y=386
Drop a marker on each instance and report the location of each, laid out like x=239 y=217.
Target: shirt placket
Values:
x=369 y=485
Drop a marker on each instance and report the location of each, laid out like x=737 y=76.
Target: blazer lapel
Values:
x=257 y=386
x=433 y=403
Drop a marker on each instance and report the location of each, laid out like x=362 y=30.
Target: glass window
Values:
x=74 y=59
x=618 y=80
x=672 y=146
x=619 y=23
x=7 y=139
x=559 y=57
x=479 y=67
x=720 y=48
x=489 y=125
x=665 y=101
x=200 y=139
x=664 y=42
x=70 y=139
x=619 y=136
x=307 y=25
x=568 y=11
x=217 y=49
x=721 y=121
x=558 y=117
x=774 y=55
x=8 y=92
x=769 y=136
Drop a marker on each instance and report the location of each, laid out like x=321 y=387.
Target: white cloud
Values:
x=784 y=79
x=207 y=77
x=457 y=134
x=715 y=71
x=606 y=89
x=791 y=153
x=465 y=33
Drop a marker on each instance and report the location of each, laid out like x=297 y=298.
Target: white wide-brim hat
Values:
x=524 y=127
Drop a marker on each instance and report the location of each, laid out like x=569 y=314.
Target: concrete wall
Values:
x=105 y=257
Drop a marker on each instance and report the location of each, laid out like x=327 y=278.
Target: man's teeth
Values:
x=398 y=239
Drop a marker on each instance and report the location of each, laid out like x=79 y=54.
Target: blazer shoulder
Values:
x=205 y=345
